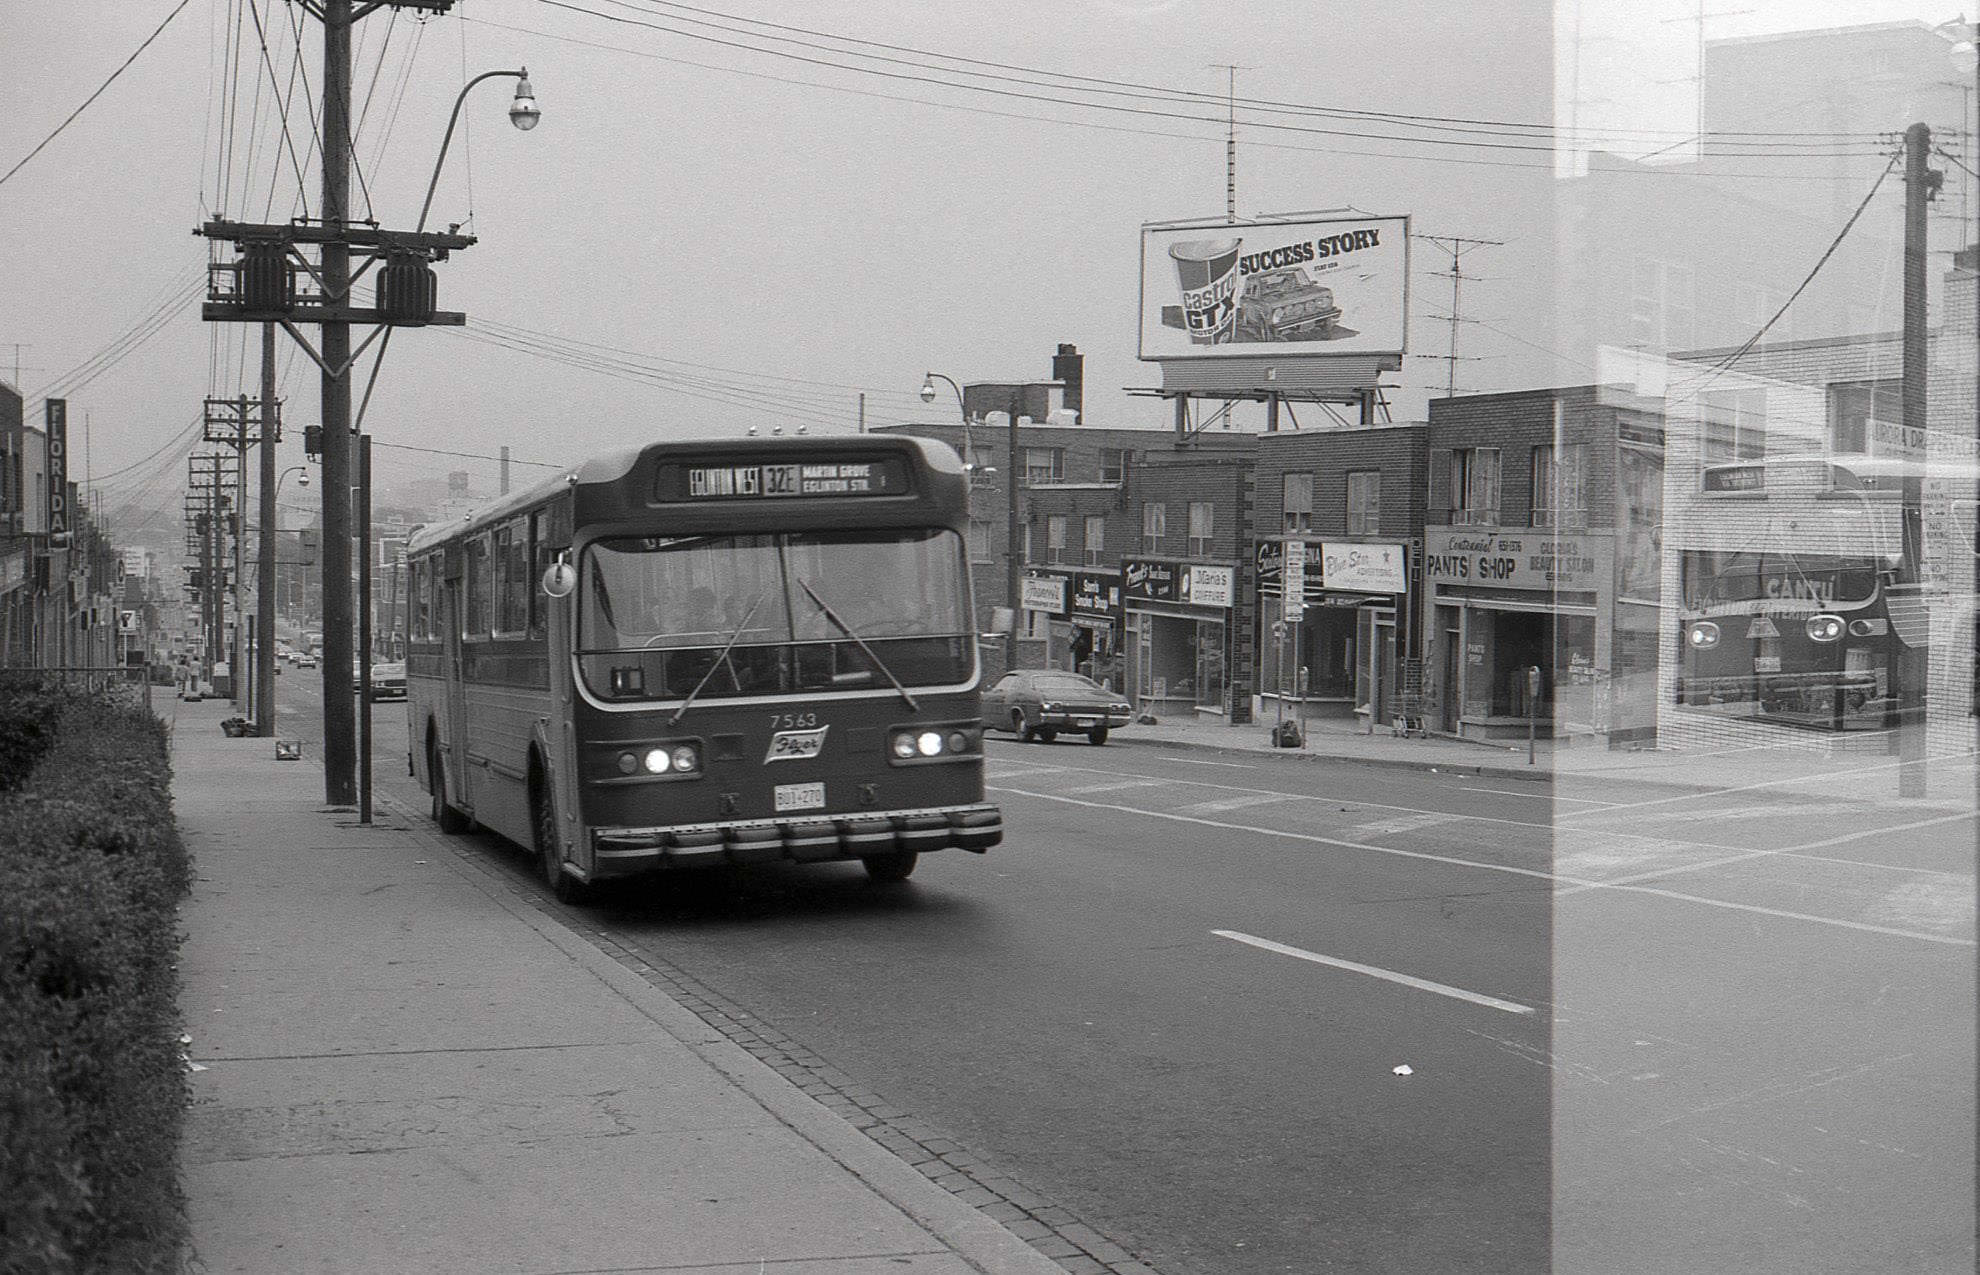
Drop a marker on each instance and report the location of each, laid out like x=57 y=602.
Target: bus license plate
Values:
x=800 y=797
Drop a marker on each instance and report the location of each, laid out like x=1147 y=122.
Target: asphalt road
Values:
x=1642 y=1031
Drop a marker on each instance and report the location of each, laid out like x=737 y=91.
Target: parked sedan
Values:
x=1039 y=703
x=388 y=680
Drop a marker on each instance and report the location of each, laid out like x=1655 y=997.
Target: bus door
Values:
x=454 y=729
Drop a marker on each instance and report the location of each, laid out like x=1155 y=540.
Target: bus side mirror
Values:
x=559 y=579
x=1002 y=621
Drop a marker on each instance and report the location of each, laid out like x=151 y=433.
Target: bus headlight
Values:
x=904 y=746
x=1824 y=628
x=928 y=743
x=686 y=760
x=628 y=763
x=1703 y=636
x=658 y=761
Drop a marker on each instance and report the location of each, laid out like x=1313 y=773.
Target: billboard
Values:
x=1323 y=284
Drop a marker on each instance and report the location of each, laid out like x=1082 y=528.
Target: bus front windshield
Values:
x=721 y=616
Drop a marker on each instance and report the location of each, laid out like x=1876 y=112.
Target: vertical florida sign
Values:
x=58 y=467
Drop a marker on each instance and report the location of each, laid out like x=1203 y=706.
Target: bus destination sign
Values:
x=885 y=477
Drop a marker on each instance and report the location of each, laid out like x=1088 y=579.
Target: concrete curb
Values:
x=1523 y=774
x=1529 y=774
x=979 y=1240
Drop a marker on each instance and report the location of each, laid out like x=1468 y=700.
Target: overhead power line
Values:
x=93 y=96
x=925 y=68
x=1712 y=373
x=1099 y=126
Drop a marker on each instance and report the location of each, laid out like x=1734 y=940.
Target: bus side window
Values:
x=539 y=562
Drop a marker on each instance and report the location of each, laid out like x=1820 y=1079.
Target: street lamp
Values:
x=1012 y=597
x=523 y=113
x=970 y=467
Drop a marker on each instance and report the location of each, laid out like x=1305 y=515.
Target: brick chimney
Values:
x=1069 y=365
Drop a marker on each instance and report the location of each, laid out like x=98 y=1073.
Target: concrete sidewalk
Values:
x=401 y=1066
x=1857 y=766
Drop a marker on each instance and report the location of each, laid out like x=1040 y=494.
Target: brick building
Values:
x=1353 y=499
x=1541 y=549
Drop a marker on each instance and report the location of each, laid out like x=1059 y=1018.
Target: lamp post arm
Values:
x=969 y=445
x=446 y=141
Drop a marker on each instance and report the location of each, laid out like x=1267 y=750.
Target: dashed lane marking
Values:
x=1409 y=823
x=1122 y=785
x=1309 y=838
x=1223 y=804
x=1372 y=971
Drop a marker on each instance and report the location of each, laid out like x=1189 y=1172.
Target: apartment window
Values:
x=1735 y=425
x=1154 y=525
x=1863 y=416
x=1474 y=493
x=1055 y=538
x=1113 y=465
x=1663 y=305
x=1096 y=538
x=1364 y=501
x=1298 y=503
x=1202 y=524
x=1560 y=487
x=982 y=539
x=1044 y=465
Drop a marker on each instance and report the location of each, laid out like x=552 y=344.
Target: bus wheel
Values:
x=890 y=868
x=1098 y=734
x=543 y=822
x=451 y=821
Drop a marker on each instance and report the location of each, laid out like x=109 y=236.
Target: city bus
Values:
x=1799 y=616
x=707 y=653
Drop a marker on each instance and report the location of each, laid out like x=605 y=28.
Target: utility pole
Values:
x=339 y=744
x=1457 y=247
x=271 y=433
x=363 y=689
x=237 y=668
x=505 y=469
x=261 y=286
x=1920 y=184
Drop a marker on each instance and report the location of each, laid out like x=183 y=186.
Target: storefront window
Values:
x=1209 y=664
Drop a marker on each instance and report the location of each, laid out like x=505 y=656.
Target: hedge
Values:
x=29 y=708
x=93 y=1084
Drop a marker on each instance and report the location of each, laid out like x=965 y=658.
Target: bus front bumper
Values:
x=621 y=852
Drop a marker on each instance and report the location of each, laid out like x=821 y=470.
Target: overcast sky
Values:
x=760 y=238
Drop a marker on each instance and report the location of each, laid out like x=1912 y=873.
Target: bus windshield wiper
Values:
x=846 y=629
x=720 y=659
